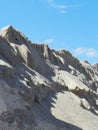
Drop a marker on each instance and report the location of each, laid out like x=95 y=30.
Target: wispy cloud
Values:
x=89 y=52
x=49 y=41
x=61 y=7
x=46 y=41
x=79 y=51
x=92 y=52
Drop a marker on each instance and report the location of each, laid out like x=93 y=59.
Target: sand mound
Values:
x=44 y=89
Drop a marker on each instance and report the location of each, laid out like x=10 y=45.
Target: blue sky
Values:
x=63 y=24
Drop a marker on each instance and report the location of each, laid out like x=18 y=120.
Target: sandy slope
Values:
x=62 y=111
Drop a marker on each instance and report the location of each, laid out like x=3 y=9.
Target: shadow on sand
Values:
x=46 y=116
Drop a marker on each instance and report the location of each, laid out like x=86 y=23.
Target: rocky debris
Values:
x=85 y=104
x=88 y=98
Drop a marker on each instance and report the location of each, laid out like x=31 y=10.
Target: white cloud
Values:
x=79 y=51
x=46 y=41
x=92 y=52
x=61 y=7
x=49 y=41
x=58 y=6
x=89 y=52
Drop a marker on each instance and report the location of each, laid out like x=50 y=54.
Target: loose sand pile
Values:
x=44 y=89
